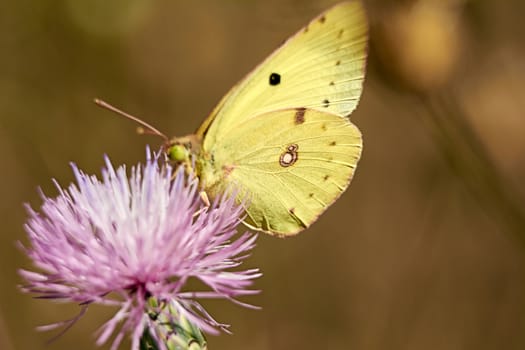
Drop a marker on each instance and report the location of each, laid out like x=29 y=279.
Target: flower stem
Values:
x=173 y=329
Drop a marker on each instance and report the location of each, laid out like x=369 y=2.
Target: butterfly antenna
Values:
x=148 y=128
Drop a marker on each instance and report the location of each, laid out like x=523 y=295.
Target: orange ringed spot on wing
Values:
x=289 y=157
x=299 y=115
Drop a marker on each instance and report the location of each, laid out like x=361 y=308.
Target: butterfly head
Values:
x=178 y=153
x=179 y=150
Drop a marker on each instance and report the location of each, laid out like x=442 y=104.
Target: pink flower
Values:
x=128 y=242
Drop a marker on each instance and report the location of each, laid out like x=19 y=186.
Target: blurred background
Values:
x=424 y=251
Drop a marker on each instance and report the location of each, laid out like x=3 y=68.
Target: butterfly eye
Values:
x=275 y=79
x=178 y=153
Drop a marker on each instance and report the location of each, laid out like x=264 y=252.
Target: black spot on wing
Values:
x=322 y=19
x=326 y=103
x=338 y=62
x=333 y=143
x=275 y=79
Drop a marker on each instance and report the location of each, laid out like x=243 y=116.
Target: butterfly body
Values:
x=281 y=136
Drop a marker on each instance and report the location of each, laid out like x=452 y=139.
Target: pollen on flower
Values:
x=130 y=240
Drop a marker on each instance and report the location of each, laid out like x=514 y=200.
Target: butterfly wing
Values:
x=289 y=165
x=322 y=66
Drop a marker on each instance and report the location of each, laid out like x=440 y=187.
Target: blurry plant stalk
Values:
x=420 y=44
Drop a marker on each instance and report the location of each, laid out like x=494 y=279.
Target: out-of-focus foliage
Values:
x=424 y=251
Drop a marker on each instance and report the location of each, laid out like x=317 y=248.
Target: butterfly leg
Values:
x=205 y=199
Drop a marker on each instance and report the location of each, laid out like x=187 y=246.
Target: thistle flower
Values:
x=134 y=243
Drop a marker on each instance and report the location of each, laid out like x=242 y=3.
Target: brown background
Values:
x=424 y=251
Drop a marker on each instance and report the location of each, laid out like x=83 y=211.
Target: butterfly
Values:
x=281 y=136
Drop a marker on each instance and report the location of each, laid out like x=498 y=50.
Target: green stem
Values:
x=174 y=329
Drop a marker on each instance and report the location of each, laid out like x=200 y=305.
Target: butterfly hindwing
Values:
x=295 y=163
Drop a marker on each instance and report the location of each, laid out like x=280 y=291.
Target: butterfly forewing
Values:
x=321 y=67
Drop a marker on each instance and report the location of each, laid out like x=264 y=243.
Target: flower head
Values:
x=127 y=242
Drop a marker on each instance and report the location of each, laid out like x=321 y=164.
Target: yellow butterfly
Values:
x=281 y=136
